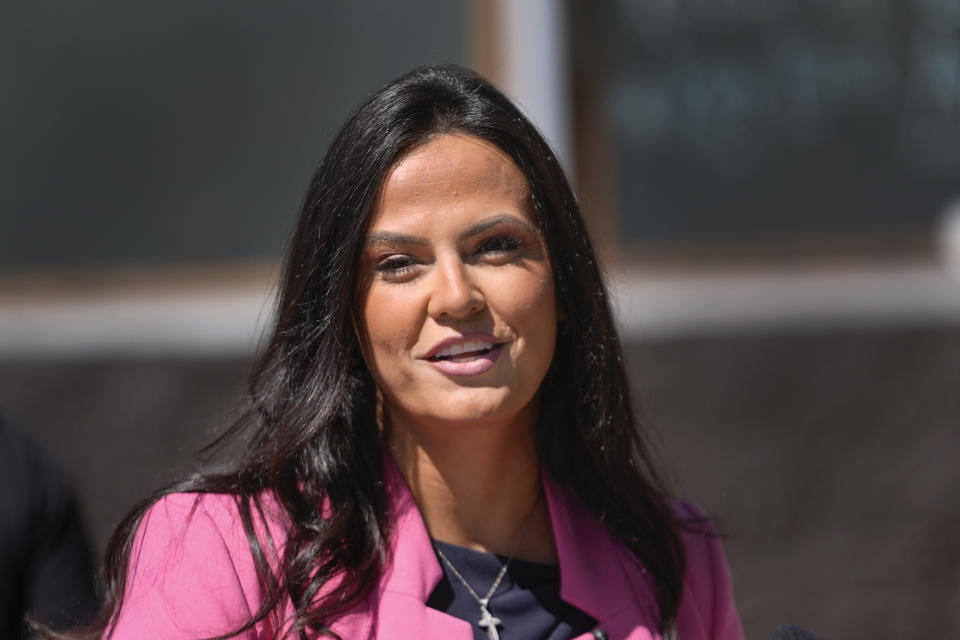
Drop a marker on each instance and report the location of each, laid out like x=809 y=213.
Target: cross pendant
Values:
x=489 y=622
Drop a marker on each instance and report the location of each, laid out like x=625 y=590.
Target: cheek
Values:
x=535 y=299
x=532 y=309
x=390 y=323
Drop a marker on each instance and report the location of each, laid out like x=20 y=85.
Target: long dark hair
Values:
x=309 y=424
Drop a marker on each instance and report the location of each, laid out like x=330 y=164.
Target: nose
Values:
x=455 y=294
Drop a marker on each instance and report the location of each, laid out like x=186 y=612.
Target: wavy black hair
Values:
x=309 y=421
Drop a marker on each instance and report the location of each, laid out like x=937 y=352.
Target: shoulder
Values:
x=191 y=572
x=213 y=518
x=707 y=608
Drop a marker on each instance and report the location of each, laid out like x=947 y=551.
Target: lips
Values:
x=465 y=355
x=465 y=343
x=463 y=350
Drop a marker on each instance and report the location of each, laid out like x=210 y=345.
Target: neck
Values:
x=476 y=486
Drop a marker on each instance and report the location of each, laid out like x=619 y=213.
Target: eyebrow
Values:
x=389 y=237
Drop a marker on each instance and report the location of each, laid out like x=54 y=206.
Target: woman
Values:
x=439 y=440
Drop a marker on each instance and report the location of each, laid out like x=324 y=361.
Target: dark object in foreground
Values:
x=790 y=632
x=45 y=564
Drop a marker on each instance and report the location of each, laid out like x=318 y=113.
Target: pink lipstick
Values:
x=465 y=355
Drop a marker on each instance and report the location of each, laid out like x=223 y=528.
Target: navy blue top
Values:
x=527 y=600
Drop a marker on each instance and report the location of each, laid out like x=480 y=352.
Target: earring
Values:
x=356 y=334
x=381 y=418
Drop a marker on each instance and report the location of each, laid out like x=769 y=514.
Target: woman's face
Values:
x=457 y=296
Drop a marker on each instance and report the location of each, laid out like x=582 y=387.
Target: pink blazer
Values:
x=191 y=575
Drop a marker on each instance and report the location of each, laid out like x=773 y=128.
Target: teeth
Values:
x=463 y=347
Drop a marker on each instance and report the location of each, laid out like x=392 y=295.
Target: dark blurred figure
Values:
x=45 y=563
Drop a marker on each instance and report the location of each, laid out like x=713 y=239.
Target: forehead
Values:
x=449 y=171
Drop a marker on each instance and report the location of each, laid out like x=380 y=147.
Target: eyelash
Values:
x=504 y=244
x=394 y=265
x=399 y=265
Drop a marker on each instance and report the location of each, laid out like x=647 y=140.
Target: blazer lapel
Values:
x=597 y=575
x=411 y=574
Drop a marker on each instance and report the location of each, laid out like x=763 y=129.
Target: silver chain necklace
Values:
x=489 y=622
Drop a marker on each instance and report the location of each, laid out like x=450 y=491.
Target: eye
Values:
x=394 y=266
x=500 y=244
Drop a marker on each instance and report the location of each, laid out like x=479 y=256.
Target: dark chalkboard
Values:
x=748 y=119
x=179 y=131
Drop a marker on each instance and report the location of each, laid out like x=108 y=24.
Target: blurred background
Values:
x=774 y=186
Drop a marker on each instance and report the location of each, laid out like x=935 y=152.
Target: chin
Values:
x=478 y=413
x=464 y=407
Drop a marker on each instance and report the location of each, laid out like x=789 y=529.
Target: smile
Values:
x=465 y=357
x=463 y=350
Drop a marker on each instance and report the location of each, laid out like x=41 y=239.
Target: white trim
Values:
x=218 y=321
x=194 y=323
x=808 y=300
